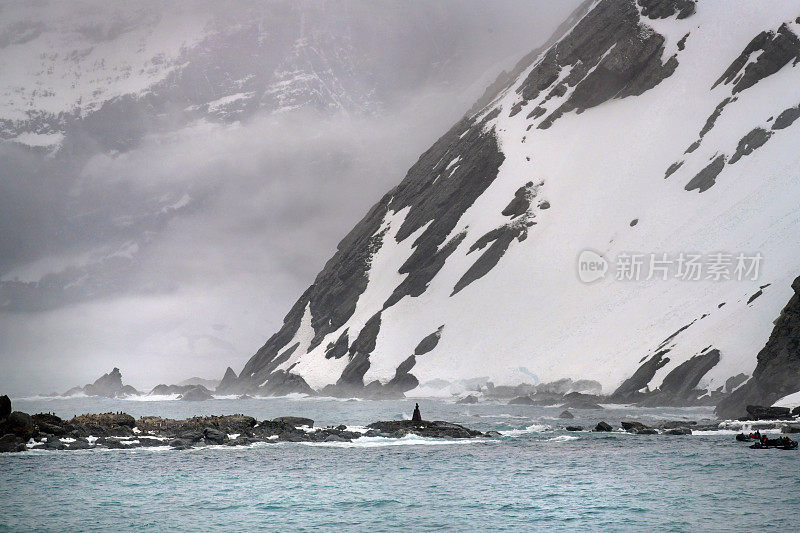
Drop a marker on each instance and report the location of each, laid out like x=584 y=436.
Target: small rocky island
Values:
x=21 y=431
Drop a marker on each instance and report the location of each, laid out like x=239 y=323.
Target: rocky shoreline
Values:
x=21 y=431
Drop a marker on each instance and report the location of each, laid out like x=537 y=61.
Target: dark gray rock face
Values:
x=602 y=426
x=11 y=443
x=5 y=407
x=50 y=424
x=634 y=426
x=424 y=428
x=108 y=385
x=708 y=126
x=577 y=400
x=771 y=50
x=281 y=383
x=612 y=55
x=759 y=412
x=429 y=343
x=754 y=140
x=228 y=383
x=501 y=238
x=520 y=203
x=629 y=390
x=672 y=169
x=706 y=178
x=214 y=436
x=734 y=381
x=786 y=118
x=680 y=384
x=18 y=424
x=566 y=414
x=777 y=372
x=679 y=387
x=403 y=380
x=339 y=348
x=295 y=421
x=661 y=9
x=196 y=394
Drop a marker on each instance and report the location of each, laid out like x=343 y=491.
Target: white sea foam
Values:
x=378 y=442
x=743 y=427
x=534 y=428
x=152 y=398
x=357 y=429
x=503 y=415
x=563 y=438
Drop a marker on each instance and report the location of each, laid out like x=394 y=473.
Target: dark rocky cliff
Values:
x=778 y=371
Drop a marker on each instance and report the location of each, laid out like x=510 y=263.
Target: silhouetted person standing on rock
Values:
x=416 y=417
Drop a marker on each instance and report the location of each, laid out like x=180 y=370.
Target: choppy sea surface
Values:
x=535 y=477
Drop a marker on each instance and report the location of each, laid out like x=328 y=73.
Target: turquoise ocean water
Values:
x=537 y=477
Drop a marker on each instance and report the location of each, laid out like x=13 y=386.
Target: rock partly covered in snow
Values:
x=469 y=268
x=777 y=373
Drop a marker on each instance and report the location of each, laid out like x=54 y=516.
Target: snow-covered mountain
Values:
x=647 y=134
x=114 y=73
x=85 y=83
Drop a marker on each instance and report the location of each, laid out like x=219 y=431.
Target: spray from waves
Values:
x=501 y=415
x=563 y=438
x=152 y=398
x=534 y=428
x=380 y=442
x=43 y=397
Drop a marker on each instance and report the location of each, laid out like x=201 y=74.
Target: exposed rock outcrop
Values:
x=759 y=412
x=424 y=428
x=766 y=54
x=5 y=407
x=108 y=385
x=609 y=54
x=122 y=431
x=228 y=383
x=603 y=426
x=19 y=424
x=777 y=372
x=196 y=394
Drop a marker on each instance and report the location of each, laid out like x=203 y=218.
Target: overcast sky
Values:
x=177 y=252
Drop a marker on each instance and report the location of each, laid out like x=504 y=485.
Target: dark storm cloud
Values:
x=181 y=254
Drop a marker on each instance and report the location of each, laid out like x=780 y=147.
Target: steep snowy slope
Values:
x=649 y=127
